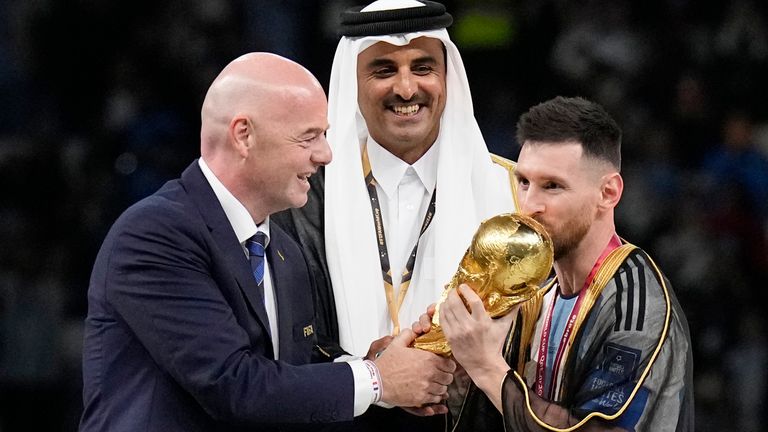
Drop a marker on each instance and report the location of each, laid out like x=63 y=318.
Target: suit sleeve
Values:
x=162 y=282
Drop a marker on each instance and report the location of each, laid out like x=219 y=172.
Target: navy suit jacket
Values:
x=177 y=337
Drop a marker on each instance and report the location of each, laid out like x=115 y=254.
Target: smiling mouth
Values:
x=406 y=110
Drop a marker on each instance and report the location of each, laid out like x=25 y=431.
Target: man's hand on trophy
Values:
x=424 y=324
x=476 y=340
x=412 y=377
x=378 y=346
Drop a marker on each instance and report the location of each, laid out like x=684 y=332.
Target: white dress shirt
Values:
x=245 y=227
x=404 y=194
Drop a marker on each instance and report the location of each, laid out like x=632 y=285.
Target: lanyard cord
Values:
x=386 y=270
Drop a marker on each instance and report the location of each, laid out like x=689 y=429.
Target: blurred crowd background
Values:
x=99 y=105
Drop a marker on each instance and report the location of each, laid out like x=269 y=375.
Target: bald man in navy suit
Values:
x=183 y=333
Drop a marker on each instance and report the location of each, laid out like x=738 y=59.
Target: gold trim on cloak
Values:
x=603 y=276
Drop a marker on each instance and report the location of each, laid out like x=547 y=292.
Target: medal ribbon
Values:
x=386 y=270
x=544 y=344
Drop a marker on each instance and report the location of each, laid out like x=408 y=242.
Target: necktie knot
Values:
x=256 y=245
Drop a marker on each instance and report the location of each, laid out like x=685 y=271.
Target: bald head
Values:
x=263 y=132
x=255 y=83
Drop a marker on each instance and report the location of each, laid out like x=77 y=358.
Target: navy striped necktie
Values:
x=256 y=246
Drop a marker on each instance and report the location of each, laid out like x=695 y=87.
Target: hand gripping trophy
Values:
x=509 y=258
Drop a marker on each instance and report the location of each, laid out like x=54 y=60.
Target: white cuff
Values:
x=367 y=384
x=384 y=405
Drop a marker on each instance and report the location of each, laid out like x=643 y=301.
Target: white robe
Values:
x=470 y=189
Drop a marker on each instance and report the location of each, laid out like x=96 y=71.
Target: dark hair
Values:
x=573 y=119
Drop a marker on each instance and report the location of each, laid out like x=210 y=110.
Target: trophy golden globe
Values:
x=509 y=258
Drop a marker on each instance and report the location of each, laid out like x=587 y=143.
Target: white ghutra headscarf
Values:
x=470 y=188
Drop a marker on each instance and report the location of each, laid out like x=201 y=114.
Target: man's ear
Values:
x=611 y=190
x=241 y=132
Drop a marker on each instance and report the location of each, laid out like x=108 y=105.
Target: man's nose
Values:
x=322 y=154
x=404 y=86
x=530 y=203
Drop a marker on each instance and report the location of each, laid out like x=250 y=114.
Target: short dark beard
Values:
x=570 y=237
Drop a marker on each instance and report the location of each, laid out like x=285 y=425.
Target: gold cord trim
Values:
x=510 y=167
x=645 y=373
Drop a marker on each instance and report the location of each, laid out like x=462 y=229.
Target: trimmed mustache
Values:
x=398 y=100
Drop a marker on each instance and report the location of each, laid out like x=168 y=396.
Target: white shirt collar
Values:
x=237 y=215
x=389 y=169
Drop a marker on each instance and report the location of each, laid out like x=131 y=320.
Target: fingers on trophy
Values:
x=510 y=257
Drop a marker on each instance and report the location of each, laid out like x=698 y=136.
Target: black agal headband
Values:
x=431 y=16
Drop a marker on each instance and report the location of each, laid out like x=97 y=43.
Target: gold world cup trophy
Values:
x=509 y=258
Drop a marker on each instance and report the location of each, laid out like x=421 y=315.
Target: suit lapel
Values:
x=280 y=269
x=201 y=193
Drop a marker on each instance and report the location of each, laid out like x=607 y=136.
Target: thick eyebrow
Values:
x=428 y=59
x=379 y=62
x=556 y=179
x=549 y=178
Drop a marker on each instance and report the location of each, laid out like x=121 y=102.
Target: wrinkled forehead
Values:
x=393 y=45
x=419 y=49
x=545 y=156
x=558 y=161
